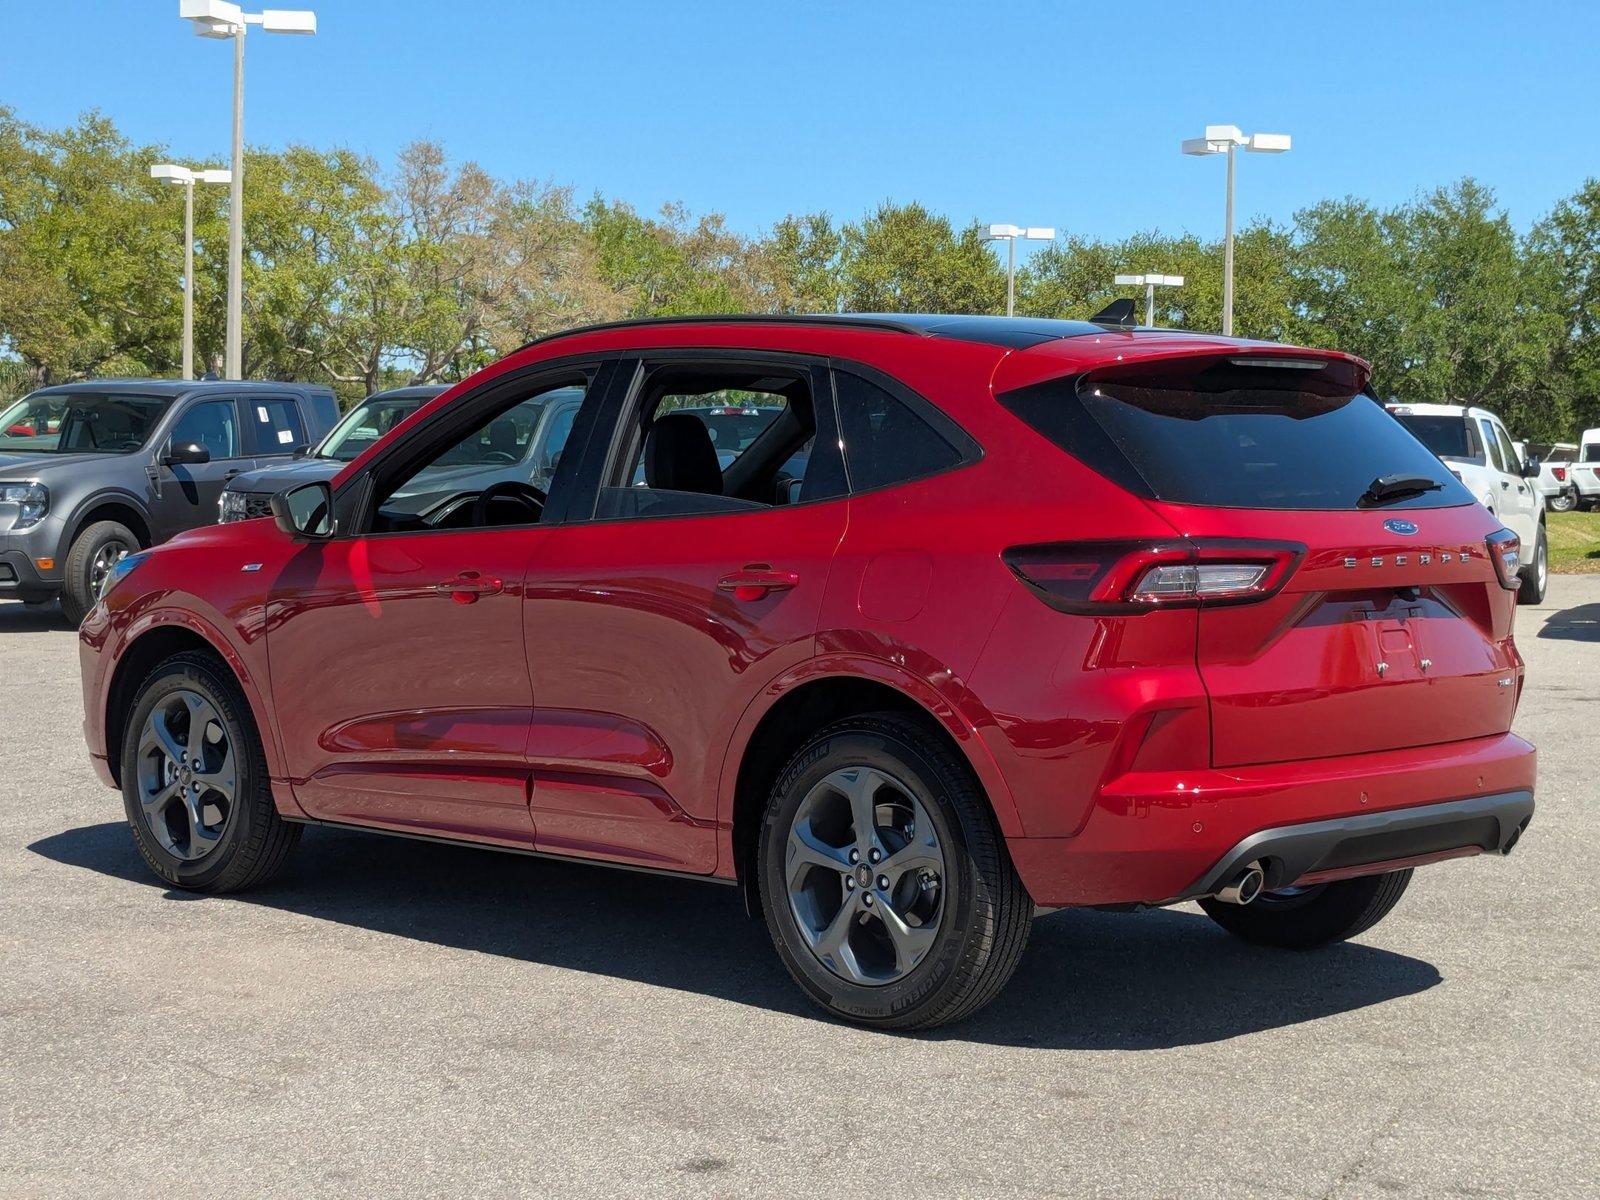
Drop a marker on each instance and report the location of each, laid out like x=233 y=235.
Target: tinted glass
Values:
x=79 y=422
x=885 y=442
x=275 y=426
x=1259 y=448
x=1591 y=452
x=1495 y=456
x=1446 y=436
x=365 y=424
x=213 y=425
x=1507 y=450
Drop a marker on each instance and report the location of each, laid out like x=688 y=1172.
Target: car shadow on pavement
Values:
x=1090 y=980
x=31 y=618
x=1578 y=624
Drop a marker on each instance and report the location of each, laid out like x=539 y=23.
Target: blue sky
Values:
x=1065 y=114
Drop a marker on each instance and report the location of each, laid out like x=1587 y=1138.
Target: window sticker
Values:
x=263 y=415
x=285 y=436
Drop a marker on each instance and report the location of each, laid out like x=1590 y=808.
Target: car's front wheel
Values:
x=886 y=886
x=1304 y=918
x=194 y=781
x=94 y=552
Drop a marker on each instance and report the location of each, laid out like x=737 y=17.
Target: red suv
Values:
x=991 y=616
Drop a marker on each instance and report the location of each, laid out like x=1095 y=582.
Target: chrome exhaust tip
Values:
x=1245 y=886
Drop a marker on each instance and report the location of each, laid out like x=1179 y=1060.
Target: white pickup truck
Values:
x=1474 y=444
x=1585 y=473
x=1560 y=495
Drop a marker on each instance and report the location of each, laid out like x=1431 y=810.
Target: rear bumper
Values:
x=1156 y=837
x=1343 y=845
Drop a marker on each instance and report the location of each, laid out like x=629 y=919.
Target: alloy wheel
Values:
x=865 y=876
x=186 y=774
x=106 y=557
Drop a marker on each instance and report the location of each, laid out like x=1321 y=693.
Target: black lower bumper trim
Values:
x=1491 y=823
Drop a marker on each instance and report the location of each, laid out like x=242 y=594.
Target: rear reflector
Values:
x=1129 y=577
x=1505 y=551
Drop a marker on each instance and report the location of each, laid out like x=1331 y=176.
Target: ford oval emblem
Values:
x=1404 y=528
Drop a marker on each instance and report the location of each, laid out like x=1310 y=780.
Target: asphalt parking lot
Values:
x=389 y=1018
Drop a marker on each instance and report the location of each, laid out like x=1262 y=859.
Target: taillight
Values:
x=1505 y=551
x=1560 y=473
x=1128 y=577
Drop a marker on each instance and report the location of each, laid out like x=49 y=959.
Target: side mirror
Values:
x=1531 y=467
x=191 y=454
x=305 y=512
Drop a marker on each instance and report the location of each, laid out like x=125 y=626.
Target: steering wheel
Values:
x=513 y=490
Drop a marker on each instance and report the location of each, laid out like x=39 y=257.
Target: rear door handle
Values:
x=755 y=580
x=466 y=587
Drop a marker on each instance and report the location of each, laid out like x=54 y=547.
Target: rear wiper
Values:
x=1387 y=488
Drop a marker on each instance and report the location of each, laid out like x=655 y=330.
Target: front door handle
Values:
x=754 y=580
x=466 y=587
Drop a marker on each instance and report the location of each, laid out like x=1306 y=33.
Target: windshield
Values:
x=1447 y=435
x=79 y=423
x=365 y=424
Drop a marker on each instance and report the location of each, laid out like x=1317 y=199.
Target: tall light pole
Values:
x=1150 y=283
x=187 y=178
x=220 y=19
x=1009 y=235
x=1225 y=139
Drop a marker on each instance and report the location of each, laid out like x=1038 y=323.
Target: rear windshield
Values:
x=1446 y=435
x=1220 y=444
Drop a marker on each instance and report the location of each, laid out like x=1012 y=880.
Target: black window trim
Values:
x=968 y=449
x=354 y=501
x=633 y=373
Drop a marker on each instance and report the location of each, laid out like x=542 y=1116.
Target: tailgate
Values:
x=1377 y=641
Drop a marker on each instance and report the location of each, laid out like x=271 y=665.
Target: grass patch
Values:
x=1574 y=542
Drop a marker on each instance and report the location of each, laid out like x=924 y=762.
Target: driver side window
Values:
x=487 y=471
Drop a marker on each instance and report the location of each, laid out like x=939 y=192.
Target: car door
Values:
x=184 y=495
x=1519 y=508
x=658 y=613
x=399 y=673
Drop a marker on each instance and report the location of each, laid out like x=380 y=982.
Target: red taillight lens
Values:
x=1560 y=473
x=1127 y=577
x=1505 y=551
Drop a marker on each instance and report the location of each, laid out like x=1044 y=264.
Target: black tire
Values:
x=1536 y=577
x=1314 y=916
x=254 y=840
x=985 y=915
x=1563 y=501
x=80 y=586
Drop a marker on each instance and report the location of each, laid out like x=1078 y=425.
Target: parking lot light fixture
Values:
x=1225 y=139
x=221 y=19
x=186 y=178
x=1009 y=235
x=1150 y=283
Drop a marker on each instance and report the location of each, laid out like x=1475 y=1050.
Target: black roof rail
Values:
x=885 y=324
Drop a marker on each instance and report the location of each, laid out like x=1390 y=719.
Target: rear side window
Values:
x=885 y=442
x=1210 y=434
x=275 y=426
x=1591 y=452
x=1495 y=455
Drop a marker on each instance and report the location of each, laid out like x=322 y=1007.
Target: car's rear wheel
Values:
x=194 y=781
x=1304 y=918
x=887 y=889
x=1563 y=501
x=1537 y=575
x=94 y=552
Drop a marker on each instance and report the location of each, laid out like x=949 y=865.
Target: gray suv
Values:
x=92 y=471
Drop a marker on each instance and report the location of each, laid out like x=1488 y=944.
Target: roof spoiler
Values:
x=1119 y=314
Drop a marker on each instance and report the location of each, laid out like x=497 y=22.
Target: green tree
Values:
x=1563 y=264
x=902 y=258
